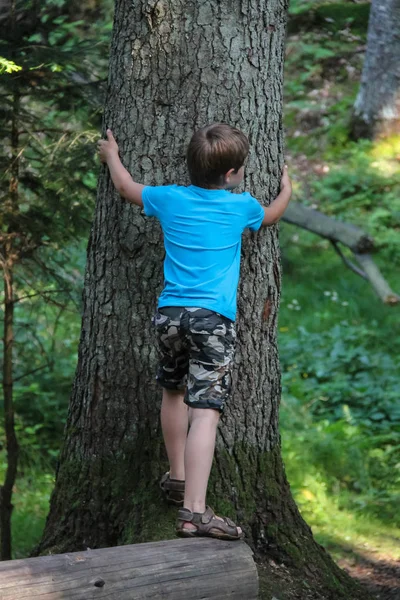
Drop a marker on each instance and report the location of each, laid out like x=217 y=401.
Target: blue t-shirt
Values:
x=202 y=237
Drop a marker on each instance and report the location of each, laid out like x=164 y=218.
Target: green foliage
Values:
x=335 y=373
x=366 y=192
x=354 y=182
x=339 y=15
x=345 y=482
x=340 y=418
x=53 y=68
x=46 y=334
x=31 y=503
x=51 y=114
x=323 y=15
x=8 y=66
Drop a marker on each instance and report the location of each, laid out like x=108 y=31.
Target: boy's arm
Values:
x=124 y=184
x=275 y=210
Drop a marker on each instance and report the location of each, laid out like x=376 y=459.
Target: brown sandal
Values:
x=174 y=489
x=207 y=525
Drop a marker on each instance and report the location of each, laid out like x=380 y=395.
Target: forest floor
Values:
x=378 y=573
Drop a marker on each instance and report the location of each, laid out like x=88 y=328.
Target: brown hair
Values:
x=213 y=151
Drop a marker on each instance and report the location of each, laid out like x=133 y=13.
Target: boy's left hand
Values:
x=108 y=147
x=285 y=179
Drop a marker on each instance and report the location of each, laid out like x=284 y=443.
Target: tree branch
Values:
x=31 y=372
x=348 y=262
x=39 y=294
x=327 y=227
x=378 y=282
x=359 y=242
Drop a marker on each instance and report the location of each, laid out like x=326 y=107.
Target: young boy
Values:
x=202 y=226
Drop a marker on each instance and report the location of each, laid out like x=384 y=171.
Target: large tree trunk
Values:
x=377 y=107
x=176 y=66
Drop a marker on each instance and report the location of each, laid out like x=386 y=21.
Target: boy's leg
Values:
x=174 y=423
x=172 y=375
x=199 y=455
x=212 y=345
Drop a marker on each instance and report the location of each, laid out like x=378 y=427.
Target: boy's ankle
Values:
x=195 y=507
x=177 y=475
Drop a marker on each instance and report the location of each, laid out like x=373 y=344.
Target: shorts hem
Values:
x=204 y=404
x=171 y=386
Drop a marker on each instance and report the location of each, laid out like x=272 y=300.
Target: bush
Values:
x=341 y=416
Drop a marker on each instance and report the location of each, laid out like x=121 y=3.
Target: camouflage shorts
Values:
x=196 y=349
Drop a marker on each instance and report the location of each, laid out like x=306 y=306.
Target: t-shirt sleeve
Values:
x=254 y=212
x=153 y=198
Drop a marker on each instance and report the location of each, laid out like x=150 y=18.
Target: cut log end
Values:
x=392 y=299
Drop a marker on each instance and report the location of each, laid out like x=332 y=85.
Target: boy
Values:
x=202 y=225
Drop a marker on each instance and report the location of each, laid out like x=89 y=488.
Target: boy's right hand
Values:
x=107 y=148
x=275 y=210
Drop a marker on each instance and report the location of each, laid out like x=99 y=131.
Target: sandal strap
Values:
x=172 y=485
x=185 y=515
x=207 y=521
x=206 y=516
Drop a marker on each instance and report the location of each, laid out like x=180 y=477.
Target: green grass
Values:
x=341 y=516
x=31 y=503
x=340 y=417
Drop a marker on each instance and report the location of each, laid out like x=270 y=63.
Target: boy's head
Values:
x=215 y=156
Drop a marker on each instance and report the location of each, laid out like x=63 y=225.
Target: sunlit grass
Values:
x=388 y=147
x=385 y=154
x=339 y=472
x=340 y=529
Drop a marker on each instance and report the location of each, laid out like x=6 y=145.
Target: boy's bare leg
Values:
x=174 y=423
x=199 y=454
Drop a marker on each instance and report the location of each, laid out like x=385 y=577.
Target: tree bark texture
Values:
x=377 y=107
x=176 y=66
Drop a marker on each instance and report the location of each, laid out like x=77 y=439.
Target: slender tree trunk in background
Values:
x=8 y=257
x=377 y=107
x=6 y=489
x=176 y=66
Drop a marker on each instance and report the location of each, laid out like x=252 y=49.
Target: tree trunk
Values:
x=6 y=490
x=176 y=66
x=377 y=107
x=8 y=258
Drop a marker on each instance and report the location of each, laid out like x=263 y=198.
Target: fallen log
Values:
x=193 y=569
x=359 y=242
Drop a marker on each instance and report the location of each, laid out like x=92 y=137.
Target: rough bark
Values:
x=377 y=107
x=176 y=66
